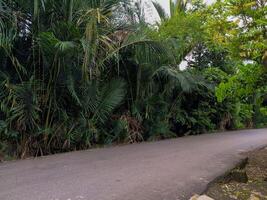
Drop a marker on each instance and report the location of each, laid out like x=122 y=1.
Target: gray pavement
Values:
x=165 y=170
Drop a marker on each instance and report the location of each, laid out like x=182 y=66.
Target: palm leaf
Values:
x=160 y=10
x=111 y=95
x=186 y=81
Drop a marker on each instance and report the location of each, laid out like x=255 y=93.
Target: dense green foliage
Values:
x=80 y=73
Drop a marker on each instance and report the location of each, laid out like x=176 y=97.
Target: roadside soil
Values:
x=248 y=181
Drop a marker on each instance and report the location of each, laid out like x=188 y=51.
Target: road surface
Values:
x=165 y=170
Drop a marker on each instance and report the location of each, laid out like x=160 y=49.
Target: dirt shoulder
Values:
x=246 y=182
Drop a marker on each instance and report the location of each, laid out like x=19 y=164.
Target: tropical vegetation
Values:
x=75 y=74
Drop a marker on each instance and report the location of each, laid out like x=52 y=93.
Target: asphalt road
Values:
x=165 y=170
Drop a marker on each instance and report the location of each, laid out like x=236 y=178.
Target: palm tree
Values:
x=176 y=7
x=70 y=49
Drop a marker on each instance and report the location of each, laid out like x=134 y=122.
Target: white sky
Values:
x=150 y=11
x=166 y=4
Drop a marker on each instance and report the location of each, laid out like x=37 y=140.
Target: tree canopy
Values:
x=76 y=74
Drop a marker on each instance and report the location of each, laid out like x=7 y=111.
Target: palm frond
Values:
x=110 y=96
x=160 y=10
x=186 y=81
x=65 y=46
x=25 y=109
x=139 y=40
